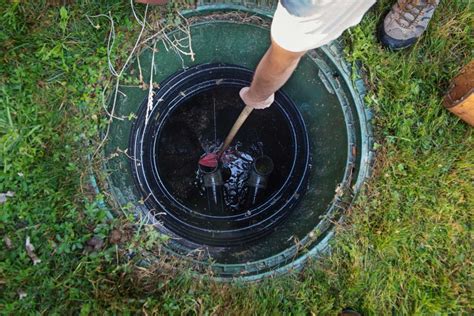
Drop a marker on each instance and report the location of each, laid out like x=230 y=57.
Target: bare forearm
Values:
x=275 y=68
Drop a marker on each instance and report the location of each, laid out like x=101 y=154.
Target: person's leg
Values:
x=406 y=22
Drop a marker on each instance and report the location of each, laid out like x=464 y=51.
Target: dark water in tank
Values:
x=200 y=125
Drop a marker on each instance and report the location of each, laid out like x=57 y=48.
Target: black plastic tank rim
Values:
x=265 y=216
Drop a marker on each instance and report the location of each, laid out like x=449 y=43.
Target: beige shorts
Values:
x=298 y=34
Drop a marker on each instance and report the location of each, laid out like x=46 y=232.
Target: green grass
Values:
x=404 y=249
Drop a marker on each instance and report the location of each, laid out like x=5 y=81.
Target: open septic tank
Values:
x=291 y=170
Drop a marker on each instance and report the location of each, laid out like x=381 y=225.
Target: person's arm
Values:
x=298 y=26
x=274 y=69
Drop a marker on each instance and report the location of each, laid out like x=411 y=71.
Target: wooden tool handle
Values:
x=238 y=123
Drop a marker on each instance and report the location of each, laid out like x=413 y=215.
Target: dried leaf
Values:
x=95 y=242
x=22 y=294
x=30 y=251
x=3 y=196
x=8 y=242
x=115 y=237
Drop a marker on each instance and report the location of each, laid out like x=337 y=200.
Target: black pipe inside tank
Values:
x=257 y=183
x=214 y=185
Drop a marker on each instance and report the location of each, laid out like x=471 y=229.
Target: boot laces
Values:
x=410 y=10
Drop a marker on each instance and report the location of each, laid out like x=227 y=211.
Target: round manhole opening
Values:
x=261 y=177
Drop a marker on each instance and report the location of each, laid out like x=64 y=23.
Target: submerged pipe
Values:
x=214 y=185
x=262 y=167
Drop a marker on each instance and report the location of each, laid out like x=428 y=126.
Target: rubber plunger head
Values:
x=209 y=160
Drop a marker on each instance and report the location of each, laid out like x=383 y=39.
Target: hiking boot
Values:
x=460 y=98
x=406 y=22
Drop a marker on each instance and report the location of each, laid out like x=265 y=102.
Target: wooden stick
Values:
x=235 y=128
